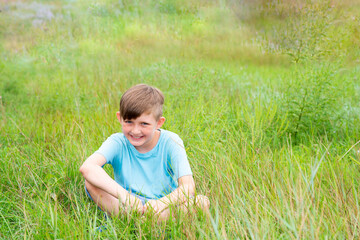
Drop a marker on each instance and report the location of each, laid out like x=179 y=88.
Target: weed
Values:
x=272 y=140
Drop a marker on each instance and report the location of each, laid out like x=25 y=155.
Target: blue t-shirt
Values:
x=153 y=174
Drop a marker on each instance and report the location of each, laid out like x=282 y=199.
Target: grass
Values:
x=263 y=93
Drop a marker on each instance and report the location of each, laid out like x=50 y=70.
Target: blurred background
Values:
x=265 y=95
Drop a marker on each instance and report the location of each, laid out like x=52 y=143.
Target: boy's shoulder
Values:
x=171 y=137
x=118 y=137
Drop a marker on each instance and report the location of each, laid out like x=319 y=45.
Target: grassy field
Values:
x=265 y=95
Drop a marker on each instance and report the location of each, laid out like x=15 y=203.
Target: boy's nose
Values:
x=136 y=130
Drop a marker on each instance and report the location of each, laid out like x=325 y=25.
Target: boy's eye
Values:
x=144 y=123
x=127 y=121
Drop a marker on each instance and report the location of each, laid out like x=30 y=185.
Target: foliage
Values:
x=313 y=104
x=305 y=30
x=265 y=95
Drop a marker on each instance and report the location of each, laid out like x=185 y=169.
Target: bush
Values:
x=312 y=102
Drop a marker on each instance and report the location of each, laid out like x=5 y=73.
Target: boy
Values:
x=150 y=164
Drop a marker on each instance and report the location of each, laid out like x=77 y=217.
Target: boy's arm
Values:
x=183 y=192
x=94 y=173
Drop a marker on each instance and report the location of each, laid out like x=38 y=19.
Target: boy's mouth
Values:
x=136 y=138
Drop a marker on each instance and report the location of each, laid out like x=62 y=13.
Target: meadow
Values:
x=264 y=94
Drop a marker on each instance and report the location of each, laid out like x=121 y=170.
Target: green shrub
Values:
x=312 y=102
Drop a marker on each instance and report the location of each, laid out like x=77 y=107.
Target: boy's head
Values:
x=141 y=99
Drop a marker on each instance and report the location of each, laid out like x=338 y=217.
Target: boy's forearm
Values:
x=179 y=195
x=97 y=176
x=185 y=190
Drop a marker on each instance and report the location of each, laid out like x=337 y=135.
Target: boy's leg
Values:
x=190 y=204
x=104 y=200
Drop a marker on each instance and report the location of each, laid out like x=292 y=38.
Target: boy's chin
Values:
x=137 y=144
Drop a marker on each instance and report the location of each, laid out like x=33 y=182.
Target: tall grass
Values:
x=263 y=93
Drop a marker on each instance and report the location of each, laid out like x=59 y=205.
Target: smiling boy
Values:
x=150 y=165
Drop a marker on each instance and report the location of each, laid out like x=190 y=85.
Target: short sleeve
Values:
x=179 y=163
x=110 y=149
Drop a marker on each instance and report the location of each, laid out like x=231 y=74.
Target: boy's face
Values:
x=141 y=132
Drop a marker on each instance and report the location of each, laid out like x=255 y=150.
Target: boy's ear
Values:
x=118 y=116
x=160 y=122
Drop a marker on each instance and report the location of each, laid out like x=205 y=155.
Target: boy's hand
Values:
x=138 y=207
x=157 y=206
x=134 y=204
